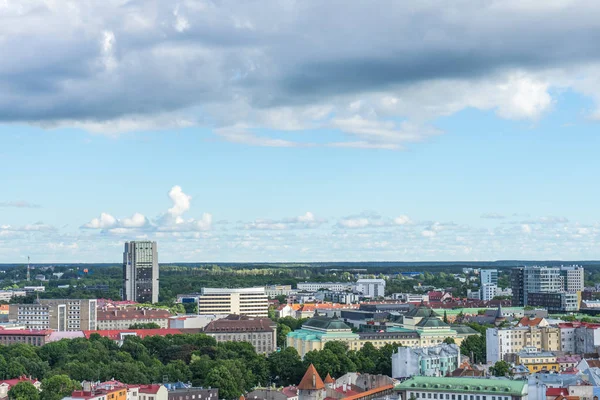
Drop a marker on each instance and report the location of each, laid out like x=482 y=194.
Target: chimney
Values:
x=344 y=387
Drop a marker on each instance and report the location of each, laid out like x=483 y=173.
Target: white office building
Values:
x=489 y=276
x=488 y=291
x=252 y=302
x=572 y=278
x=140 y=272
x=314 y=286
x=371 y=288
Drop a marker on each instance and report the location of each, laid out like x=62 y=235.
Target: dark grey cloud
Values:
x=228 y=62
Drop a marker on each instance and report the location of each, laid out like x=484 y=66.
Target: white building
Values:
x=573 y=278
x=371 y=288
x=488 y=291
x=489 y=276
x=567 y=338
x=140 y=272
x=410 y=297
x=252 y=302
x=425 y=361
x=279 y=290
x=333 y=286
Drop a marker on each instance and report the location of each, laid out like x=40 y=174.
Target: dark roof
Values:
x=422 y=312
x=432 y=322
x=325 y=323
x=239 y=325
x=462 y=329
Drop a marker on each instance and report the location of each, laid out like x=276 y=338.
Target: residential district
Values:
x=534 y=339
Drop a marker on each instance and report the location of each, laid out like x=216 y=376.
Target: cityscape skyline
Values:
x=225 y=136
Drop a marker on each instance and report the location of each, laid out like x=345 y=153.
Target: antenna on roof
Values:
x=28 y=268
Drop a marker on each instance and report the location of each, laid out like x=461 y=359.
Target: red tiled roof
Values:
x=290 y=391
x=307 y=381
x=557 y=392
x=526 y=321
x=13 y=382
x=351 y=390
x=115 y=333
x=369 y=393
x=25 y=332
x=329 y=379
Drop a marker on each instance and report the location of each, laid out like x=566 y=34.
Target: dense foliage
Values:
x=233 y=367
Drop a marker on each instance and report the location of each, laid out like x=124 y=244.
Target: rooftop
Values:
x=479 y=385
x=239 y=325
x=325 y=323
x=311 y=380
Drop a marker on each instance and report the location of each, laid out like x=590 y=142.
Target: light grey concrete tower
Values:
x=140 y=272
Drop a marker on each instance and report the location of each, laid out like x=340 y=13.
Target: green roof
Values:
x=464 y=330
x=432 y=322
x=503 y=387
x=325 y=323
x=422 y=312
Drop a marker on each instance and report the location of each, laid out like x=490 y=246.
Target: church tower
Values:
x=311 y=386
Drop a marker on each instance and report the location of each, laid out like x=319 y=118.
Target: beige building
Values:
x=260 y=332
x=123 y=319
x=56 y=314
x=503 y=344
x=252 y=302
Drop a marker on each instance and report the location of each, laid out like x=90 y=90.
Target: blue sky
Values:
x=227 y=137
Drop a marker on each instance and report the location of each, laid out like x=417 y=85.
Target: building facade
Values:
x=420 y=387
x=425 y=361
x=260 y=332
x=488 y=291
x=252 y=302
x=555 y=288
x=34 y=337
x=489 y=276
x=314 y=286
x=123 y=319
x=371 y=288
x=56 y=314
x=503 y=344
x=140 y=272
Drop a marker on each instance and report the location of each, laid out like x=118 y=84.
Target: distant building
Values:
x=243 y=301
x=489 y=276
x=279 y=290
x=537 y=361
x=140 y=272
x=260 y=332
x=33 y=337
x=424 y=387
x=488 y=291
x=57 y=314
x=123 y=319
x=555 y=288
x=437 y=360
x=181 y=391
x=371 y=288
x=314 y=286
x=503 y=343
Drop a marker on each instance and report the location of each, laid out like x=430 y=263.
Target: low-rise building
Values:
x=315 y=286
x=34 y=337
x=370 y=288
x=437 y=360
x=7 y=384
x=260 y=332
x=182 y=391
x=503 y=344
x=123 y=319
x=279 y=290
x=442 y=388
x=536 y=361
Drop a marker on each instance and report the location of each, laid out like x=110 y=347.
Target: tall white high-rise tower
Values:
x=140 y=272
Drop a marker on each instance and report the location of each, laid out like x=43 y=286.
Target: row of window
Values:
x=446 y=396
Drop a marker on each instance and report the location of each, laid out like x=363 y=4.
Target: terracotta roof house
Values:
x=311 y=380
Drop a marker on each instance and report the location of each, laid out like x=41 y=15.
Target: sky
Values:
x=265 y=131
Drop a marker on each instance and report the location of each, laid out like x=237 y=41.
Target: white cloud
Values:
x=372 y=220
x=402 y=220
x=181 y=202
x=306 y=221
x=105 y=221
x=492 y=215
x=525 y=228
x=137 y=220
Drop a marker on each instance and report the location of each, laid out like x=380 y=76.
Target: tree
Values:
x=282 y=332
x=147 y=325
x=474 y=346
x=23 y=391
x=449 y=340
x=58 y=386
x=500 y=368
x=445 y=316
x=220 y=377
x=286 y=366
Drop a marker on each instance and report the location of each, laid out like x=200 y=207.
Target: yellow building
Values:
x=538 y=361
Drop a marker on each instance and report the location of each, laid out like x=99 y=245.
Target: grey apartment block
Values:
x=140 y=272
x=57 y=314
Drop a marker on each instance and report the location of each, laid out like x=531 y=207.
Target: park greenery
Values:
x=234 y=367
